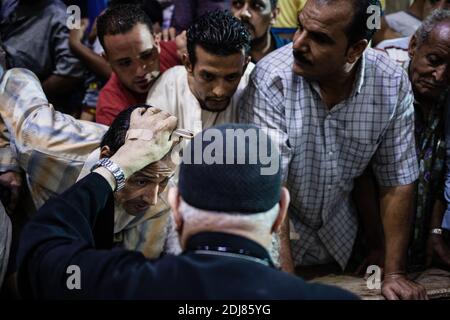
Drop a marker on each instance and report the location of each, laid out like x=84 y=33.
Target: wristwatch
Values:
x=436 y=231
x=115 y=170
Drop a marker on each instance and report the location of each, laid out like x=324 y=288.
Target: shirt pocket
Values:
x=355 y=155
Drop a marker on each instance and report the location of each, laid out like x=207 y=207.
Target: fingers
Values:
x=165 y=35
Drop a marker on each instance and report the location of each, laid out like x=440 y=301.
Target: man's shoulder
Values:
x=379 y=64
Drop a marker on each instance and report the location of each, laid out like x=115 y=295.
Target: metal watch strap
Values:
x=436 y=231
x=115 y=170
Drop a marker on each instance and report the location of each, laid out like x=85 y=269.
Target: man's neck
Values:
x=337 y=88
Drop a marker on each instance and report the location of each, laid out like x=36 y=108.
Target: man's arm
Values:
x=60 y=235
x=56 y=86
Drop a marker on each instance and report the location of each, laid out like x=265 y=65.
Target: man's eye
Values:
x=231 y=78
x=141 y=182
x=125 y=63
x=237 y=4
x=259 y=6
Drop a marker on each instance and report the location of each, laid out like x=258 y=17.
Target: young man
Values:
x=216 y=69
x=336 y=106
x=225 y=236
x=136 y=58
x=259 y=16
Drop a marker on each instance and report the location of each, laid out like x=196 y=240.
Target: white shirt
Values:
x=171 y=93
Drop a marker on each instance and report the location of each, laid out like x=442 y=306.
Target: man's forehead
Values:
x=162 y=168
x=211 y=61
x=324 y=16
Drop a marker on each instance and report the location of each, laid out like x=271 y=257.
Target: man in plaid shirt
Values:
x=336 y=107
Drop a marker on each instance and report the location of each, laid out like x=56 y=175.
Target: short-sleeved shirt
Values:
x=114 y=97
x=324 y=150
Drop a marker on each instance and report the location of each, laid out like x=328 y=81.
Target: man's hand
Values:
x=397 y=287
x=147 y=141
x=181 y=42
x=12 y=181
x=437 y=249
x=375 y=257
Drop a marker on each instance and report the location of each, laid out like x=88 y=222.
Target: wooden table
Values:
x=436 y=282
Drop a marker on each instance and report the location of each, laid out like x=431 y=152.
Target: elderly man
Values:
x=336 y=106
x=258 y=17
x=52 y=148
x=225 y=235
x=428 y=67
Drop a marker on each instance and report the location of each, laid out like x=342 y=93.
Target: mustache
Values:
x=299 y=57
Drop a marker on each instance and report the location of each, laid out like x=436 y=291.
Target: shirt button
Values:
x=330 y=153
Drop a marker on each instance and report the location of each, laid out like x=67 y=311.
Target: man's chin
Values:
x=216 y=106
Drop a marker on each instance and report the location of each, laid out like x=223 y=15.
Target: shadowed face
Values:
x=257 y=15
x=214 y=79
x=320 y=43
x=143 y=187
x=430 y=63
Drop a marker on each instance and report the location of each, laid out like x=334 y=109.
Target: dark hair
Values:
x=273 y=3
x=114 y=138
x=358 y=28
x=119 y=19
x=218 y=32
x=151 y=7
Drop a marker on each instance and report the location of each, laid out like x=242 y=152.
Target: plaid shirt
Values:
x=54 y=142
x=324 y=150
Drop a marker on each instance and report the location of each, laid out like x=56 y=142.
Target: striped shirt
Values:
x=323 y=150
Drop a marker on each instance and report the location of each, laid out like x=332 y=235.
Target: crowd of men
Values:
x=90 y=134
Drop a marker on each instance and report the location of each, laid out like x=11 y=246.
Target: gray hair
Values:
x=434 y=19
x=257 y=223
x=262 y=221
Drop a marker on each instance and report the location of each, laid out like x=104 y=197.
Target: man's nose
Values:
x=219 y=90
x=442 y=74
x=150 y=194
x=301 y=42
x=244 y=13
x=141 y=69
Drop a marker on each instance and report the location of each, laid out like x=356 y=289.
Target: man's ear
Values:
x=412 y=47
x=187 y=62
x=105 y=152
x=105 y=56
x=356 y=51
x=274 y=15
x=174 y=200
x=247 y=61
x=284 y=205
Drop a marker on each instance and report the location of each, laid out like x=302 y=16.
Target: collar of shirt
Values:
x=359 y=80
